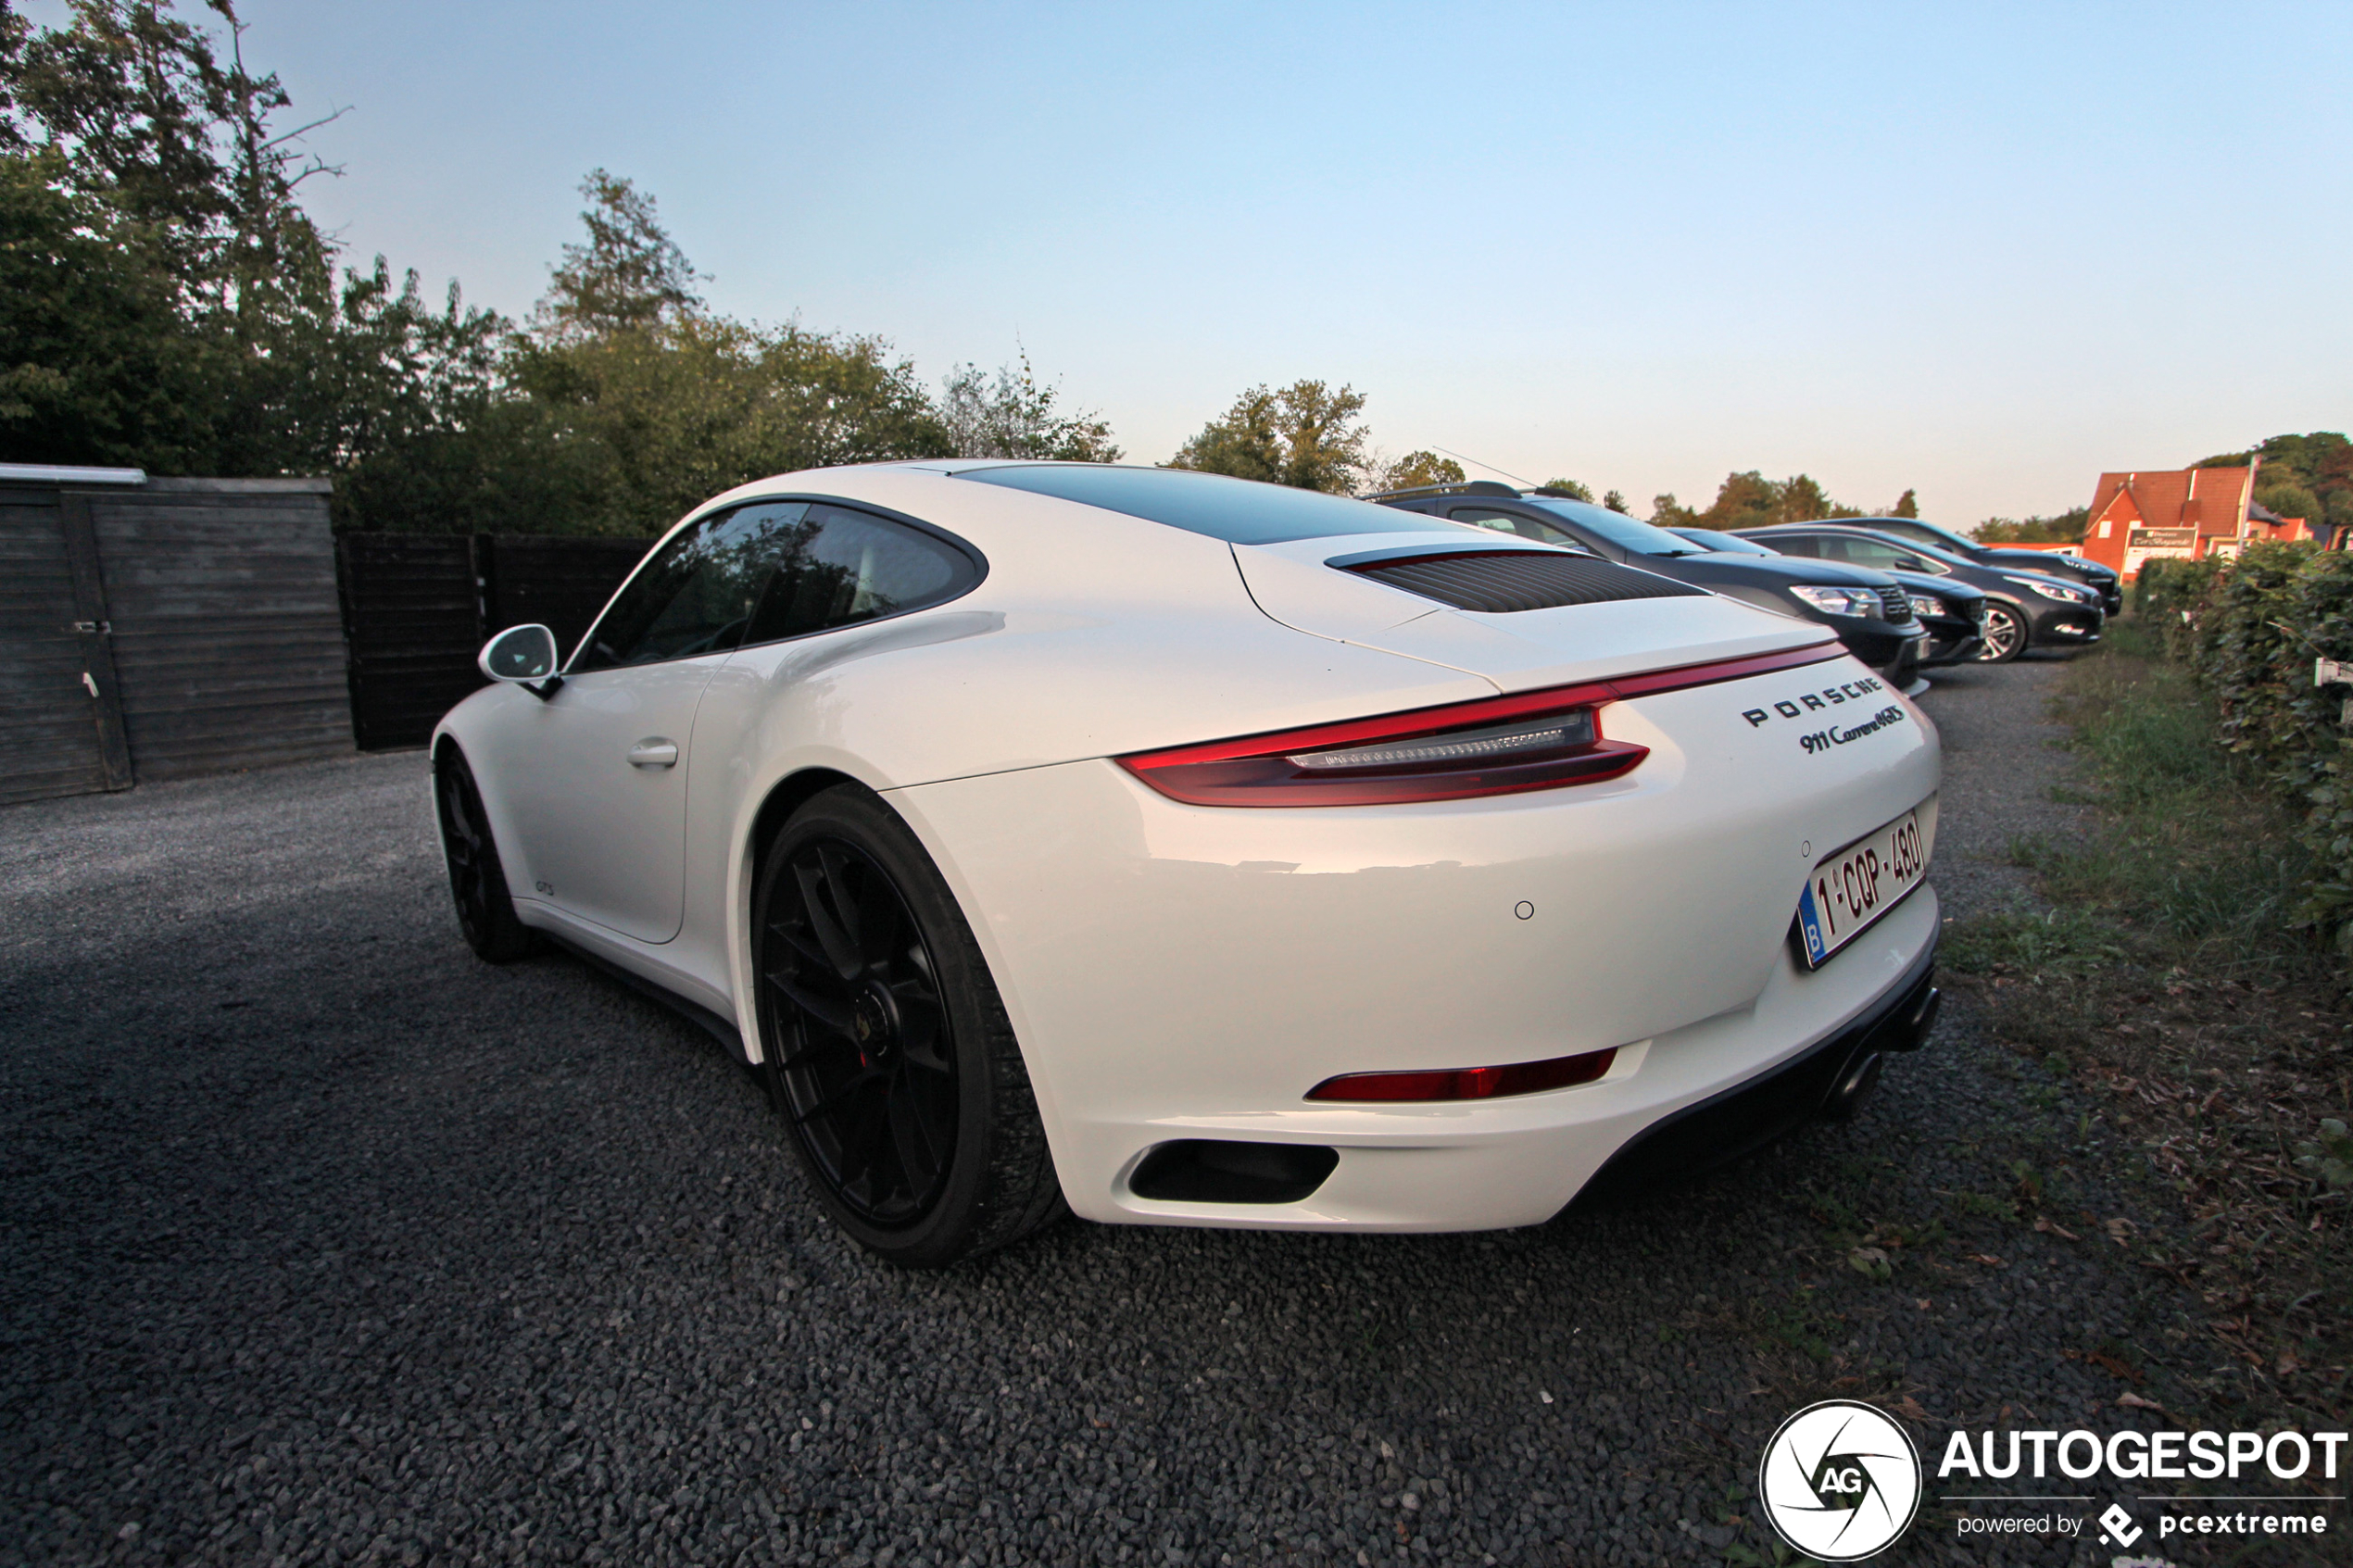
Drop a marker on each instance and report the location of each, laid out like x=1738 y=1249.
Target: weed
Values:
x=2029 y=1186
x=2329 y=1158
x=2066 y=943
x=1984 y=1208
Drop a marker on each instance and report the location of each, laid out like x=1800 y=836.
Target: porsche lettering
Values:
x=1817 y=701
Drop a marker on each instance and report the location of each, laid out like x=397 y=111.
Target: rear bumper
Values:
x=1673 y=1106
x=1181 y=974
x=1740 y=1119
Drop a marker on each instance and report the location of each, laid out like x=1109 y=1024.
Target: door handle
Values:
x=654 y=752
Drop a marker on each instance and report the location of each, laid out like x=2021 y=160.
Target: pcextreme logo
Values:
x=1840 y=1481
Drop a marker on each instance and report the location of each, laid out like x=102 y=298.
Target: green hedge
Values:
x=2248 y=631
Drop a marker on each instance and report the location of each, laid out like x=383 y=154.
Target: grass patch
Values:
x=2164 y=976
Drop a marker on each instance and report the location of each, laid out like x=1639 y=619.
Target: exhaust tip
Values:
x=1854 y=1087
x=1908 y=1029
x=1923 y=1020
x=1217 y=1170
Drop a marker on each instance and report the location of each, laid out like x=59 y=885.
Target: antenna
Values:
x=1489 y=467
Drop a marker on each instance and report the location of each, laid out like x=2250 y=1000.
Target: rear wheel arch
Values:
x=1000 y=1180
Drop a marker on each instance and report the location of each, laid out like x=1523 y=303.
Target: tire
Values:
x=885 y=1047
x=2005 y=633
x=477 y=879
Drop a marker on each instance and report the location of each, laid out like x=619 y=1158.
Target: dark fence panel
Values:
x=228 y=642
x=557 y=582
x=154 y=629
x=46 y=709
x=413 y=613
x=420 y=606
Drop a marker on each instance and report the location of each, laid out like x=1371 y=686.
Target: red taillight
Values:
x=1468 y=1083
x=1495 y=745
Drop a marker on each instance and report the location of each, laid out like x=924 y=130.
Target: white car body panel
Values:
x=595 y=836
x=1176 y=970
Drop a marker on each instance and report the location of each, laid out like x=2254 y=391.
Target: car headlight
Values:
x=1840 y=601
x=2065 y=593
x=1928 y=604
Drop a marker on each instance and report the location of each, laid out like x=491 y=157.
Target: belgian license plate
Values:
x=1850 y=890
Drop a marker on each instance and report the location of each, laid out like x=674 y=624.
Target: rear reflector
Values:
x=1493 y=745
x=1468 y=1083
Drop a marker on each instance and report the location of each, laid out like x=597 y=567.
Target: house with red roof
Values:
x=2184 y=513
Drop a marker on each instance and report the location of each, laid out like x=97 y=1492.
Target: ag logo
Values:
x=1840 y=1481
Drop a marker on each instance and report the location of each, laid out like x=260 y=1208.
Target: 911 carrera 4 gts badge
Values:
x=1823 y=740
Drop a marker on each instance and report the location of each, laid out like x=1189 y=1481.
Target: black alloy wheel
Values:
x=2004 y=633
x=885 y=1046
x=477 y=880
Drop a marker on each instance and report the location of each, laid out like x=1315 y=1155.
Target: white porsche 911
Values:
x=1192 y=851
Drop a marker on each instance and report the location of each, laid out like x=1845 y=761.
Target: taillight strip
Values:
x=1465 y=1083
x=1483 y=711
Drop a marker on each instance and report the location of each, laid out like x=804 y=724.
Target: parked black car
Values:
x=1869 y=611
x=2022 y=609
x=1952 y=610
x=2066 y=566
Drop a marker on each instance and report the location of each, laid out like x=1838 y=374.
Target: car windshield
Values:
x=1627 y=533
x=1722 y=543
x=1943 y=538
x=1241 y=511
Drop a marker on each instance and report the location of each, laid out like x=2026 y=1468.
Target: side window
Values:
x=698 y=594
x=840 y=567
x=1797 y=544
x=1510 y=522
x=1878 y=557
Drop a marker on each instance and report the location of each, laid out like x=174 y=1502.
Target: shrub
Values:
x=2248 y=632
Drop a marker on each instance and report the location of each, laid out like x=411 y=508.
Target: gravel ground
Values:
x=321 y=1242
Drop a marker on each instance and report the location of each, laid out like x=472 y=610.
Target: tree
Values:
x=1744 y=501
x=629 y=276
x=1667 y=512
x=1014 y=416
x=2066 y=528
x=1569 y=488
x=1750 y=500
x=1906 y=505
x=2308 y=476
x=1307 y=437
x=166 y=303
x=96 y=365
x=1614 y=501
x=1418 y=471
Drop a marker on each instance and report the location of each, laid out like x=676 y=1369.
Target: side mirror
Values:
x=522 y=655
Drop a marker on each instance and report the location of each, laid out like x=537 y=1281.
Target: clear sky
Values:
x=1984 y=250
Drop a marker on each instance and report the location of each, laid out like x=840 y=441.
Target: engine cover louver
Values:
x=1498 y=582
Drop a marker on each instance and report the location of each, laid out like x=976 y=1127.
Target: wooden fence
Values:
x=159 y=628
